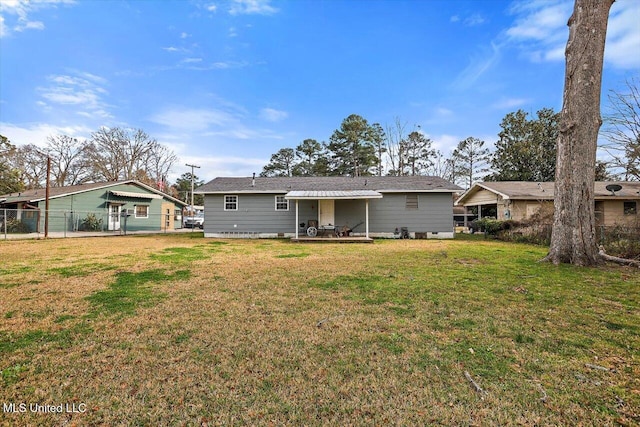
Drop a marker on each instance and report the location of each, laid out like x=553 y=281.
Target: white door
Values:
x=326 y=212
x=114 y=217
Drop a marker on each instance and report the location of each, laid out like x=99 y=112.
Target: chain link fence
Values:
x=15 y=222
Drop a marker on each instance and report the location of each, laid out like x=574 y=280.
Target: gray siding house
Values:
x=366 y=206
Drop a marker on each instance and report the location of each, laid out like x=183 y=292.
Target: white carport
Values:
x=365 y=195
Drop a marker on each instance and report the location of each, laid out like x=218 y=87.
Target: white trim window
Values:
x=142 y=211
x=231 y=203
x=282 y=204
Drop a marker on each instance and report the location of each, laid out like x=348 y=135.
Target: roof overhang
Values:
x=134 y=195
x=332 y=195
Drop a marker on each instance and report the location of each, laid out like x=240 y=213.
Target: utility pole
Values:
x=46 y=199
x=192 y=167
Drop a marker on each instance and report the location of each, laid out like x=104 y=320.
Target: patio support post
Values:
x=366 y=217
x=297 y=220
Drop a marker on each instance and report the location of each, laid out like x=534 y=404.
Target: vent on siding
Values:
x=412 y=201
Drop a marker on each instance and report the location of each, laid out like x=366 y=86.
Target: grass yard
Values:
x=181 y=330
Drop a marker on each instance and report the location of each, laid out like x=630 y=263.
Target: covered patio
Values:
x=324 y=227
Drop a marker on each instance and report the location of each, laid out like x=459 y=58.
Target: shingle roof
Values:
x=39 y=193
x=524 y=190
x=328 y=183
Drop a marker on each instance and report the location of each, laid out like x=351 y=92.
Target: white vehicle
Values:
x=194 y=221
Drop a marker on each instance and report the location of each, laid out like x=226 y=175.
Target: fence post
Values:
x=65 y=225
x=4 y=220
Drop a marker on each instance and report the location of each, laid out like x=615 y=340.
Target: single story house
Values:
x=101 y=206
x=367 y=206
x=615 y=202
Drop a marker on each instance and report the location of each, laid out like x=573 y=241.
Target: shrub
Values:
x=16 y=226
x=622 y=240
x=92 y=223
x=492 y=226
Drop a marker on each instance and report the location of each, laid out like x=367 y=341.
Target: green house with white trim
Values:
x=105 y=206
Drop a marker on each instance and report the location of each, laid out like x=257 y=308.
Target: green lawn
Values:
x=181 y=330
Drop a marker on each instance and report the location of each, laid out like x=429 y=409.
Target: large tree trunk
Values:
x=573 y=239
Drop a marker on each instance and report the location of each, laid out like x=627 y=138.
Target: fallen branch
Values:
x=327 y=319
x=475 y=384
x=617 y=260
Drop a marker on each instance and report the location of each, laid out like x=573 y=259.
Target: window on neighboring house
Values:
x=282 y=204
x=630 y=208
x=412 y=201
x=230 y=203
x=142 y=211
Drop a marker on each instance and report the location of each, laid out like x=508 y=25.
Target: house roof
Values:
x=283 y=185
x=332 y=195
x=38 y=195
x=523 y=190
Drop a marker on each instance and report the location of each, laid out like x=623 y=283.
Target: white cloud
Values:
x=37 y=133
x=474 y=19
x=509 y=103
x=19 y=11
x=216 y=166
x=273 y=115
x=478 y=65
x=250 y=7
x=623 y=36
x=212 y=7
x=3 y=28
x=195 y=120
x=82 y=90
x=29 y=25
x=470 y=21
x=540 y=30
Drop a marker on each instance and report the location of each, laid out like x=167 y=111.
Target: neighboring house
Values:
x=369 y=206
x=103 y=206
x=519 y=200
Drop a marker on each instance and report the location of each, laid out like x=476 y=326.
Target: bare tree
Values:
x=159 y=162
x=68 y=160
x=117 y=154
x=622 y=130
x=32 y=164
x=395 y=155
x=573 y=238
x=442 y=167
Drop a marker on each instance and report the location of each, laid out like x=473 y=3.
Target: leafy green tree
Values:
x=378 y=138
x=10 y=181
x=419 y=154
x=310 y=154
x=352 y=148
x=183 y=188
x=470 y=159
x=526 y=150
x=282 y=163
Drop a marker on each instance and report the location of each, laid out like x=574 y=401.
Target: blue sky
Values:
x=227 y=83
